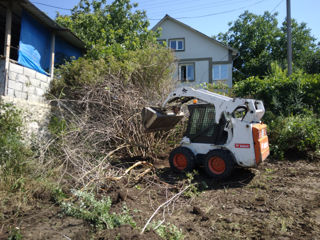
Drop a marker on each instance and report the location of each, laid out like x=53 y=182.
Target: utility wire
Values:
x=276 y=6
x=207 y=7
x=47 y=5
x=217 y=13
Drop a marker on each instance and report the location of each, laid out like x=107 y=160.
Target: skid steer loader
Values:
x=222 y=132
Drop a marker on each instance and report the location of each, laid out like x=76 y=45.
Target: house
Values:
x=31 y=45
x=200 y=59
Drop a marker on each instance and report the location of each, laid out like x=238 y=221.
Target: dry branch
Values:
x=163 y=205
x=129 y=169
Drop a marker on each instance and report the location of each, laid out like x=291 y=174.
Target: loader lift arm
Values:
x=223 y=104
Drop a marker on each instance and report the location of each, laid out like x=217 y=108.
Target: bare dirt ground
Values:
x=279 y=200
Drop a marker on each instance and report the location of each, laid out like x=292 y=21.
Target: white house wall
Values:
x=197 y=48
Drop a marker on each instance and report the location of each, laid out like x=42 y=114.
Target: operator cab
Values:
x=202 y=127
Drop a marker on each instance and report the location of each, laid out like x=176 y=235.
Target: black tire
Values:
x=182 y=159
x=219 y=164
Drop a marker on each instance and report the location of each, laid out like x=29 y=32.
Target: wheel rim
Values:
x=180 y=161
x=217 y=165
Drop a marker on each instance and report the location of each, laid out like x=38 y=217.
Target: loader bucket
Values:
x=155 y=119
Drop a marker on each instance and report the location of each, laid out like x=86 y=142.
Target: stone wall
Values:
x=27 y=84
x=36 y=117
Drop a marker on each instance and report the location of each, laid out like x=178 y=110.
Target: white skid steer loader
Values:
x=222 y=132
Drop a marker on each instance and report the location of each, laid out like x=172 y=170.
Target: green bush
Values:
x=295 y=135
x=283 y=95
x=292 y=107
x=13 y=152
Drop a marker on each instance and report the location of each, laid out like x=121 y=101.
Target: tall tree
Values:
x=303 y=43
x=260 y=41
x=108 y=27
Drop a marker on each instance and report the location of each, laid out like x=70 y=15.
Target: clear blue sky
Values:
x=219 y=12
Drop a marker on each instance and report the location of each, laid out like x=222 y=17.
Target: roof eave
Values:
x=167 y=17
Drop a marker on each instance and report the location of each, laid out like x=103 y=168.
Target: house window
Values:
x=220 y=72
x=186 y=72
x=177 y=44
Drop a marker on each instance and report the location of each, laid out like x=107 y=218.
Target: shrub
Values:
x=13 y=152
x=282 y=94
x=295 y=136
x=150 y=68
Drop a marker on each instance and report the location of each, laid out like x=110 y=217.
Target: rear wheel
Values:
x=219 y=164
x=182 y=159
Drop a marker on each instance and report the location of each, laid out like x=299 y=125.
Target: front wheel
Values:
x=182 y=159
x=219 y=164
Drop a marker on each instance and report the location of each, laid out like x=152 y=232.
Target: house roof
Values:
x=43 y=18
x=167 y=17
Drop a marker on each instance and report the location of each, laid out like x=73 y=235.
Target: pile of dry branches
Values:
x=103 y=123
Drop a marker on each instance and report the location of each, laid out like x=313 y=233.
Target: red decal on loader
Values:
x=242 y=145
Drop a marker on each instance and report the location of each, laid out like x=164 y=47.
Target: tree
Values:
x=107 y=28
x=260 y=42
x=312 y=64
x=303 y=44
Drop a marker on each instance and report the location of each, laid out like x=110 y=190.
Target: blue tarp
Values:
x=35 y=43
x=65 y=51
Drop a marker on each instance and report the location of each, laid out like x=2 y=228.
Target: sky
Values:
x=208 y=16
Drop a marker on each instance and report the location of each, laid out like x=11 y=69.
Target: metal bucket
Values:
x=155 y=119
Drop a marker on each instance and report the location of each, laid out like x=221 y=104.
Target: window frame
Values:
x=177 y=40
x=187 y=64
x=220 y=67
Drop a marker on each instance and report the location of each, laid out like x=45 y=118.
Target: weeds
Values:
x=15 y=234
x=95 y=211
x=193 y=190
x=13 y=152
x=167 y=231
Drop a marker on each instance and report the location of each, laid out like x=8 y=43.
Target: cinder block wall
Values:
x=26 y=89
x=25 y=83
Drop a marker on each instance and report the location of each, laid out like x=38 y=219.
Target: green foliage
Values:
x=312 y=63
x=260 y=42
x=167 y=231
x=283 y=95
x=96 y=211
x=293 y=135
x=217 y=87
x=108 y=29
x=15 y=234
x=150 y=67
x=292 y=105
x=57 y=125
x=193 y=190
x=13 y=152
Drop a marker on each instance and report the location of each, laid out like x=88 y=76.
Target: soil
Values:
x=279 y=200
